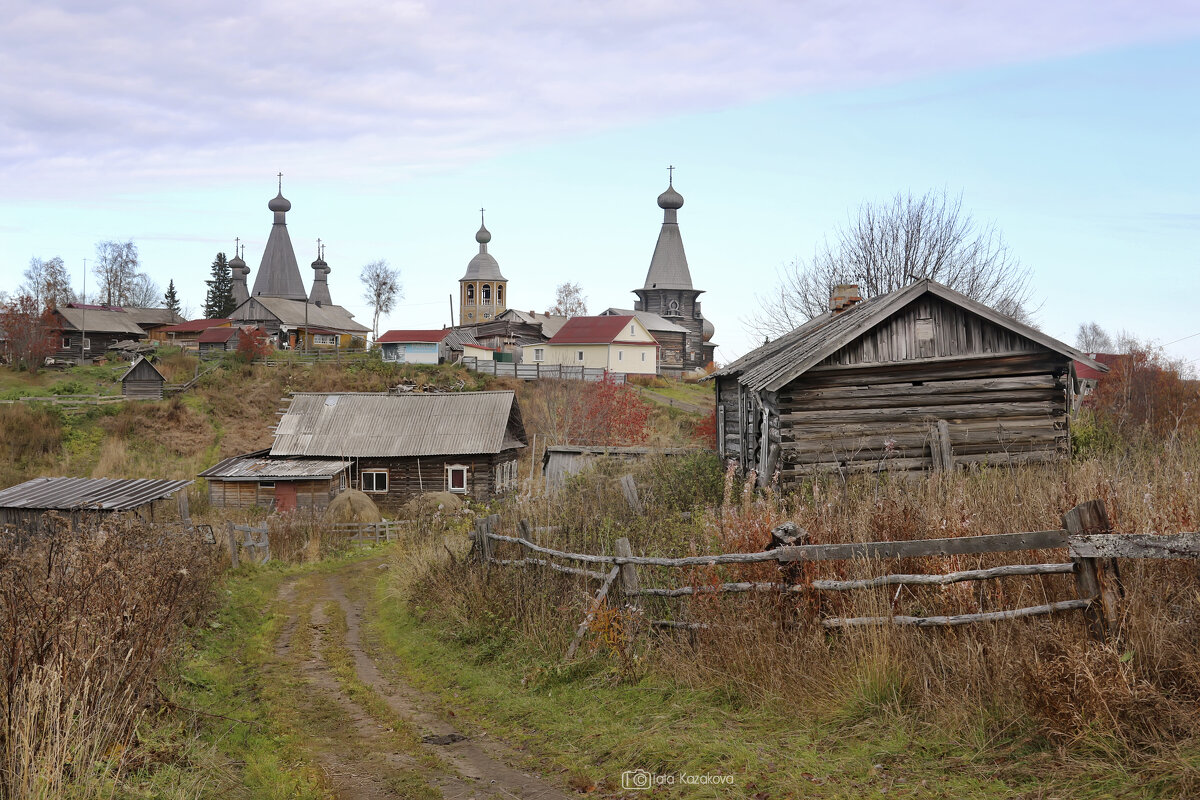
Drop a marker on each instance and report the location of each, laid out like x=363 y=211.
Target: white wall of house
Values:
x=481 y=353
x=410 y=352
x=637 y=359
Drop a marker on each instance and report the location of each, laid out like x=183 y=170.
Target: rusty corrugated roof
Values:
x=260 y=466
x=104 y=494
x=386 y=425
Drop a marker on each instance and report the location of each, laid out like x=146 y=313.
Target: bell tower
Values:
x=482 y=291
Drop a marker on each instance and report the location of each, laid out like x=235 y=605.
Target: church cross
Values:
x=281 y=183
x=671 y=175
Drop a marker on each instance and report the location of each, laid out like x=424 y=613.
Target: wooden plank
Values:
x=904 y=397
x=900 y=414
x=541 y=562
x=942 y=441
x=990 y=543
x=591 y=614
x=957 y=619
x=1130 y=545
x=948 y=578
x=1095 y=578
x=686 y=591
x=630 y=586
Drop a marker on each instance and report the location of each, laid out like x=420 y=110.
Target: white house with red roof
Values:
x=430 y=346
x=614 y=343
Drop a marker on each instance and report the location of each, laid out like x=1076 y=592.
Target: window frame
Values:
x=461 y=469
x=362 y=481
x=579 y=356
x=539 y=354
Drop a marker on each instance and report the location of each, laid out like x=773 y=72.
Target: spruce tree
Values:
x=170 y=299
x=218 y=303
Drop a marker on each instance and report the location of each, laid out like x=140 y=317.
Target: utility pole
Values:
x=452 y=309
x=83 y=317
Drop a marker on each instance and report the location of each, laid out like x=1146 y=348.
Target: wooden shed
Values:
x=920 y=378
x=24 y=505
x=142 y=381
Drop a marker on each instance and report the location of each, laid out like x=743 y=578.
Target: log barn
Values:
x=142 y=381
x=390 y=446
x=23 y=506
x=919 y=378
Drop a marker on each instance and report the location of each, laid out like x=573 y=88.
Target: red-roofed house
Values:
x=614 y=343
x=227 y=338
x=1088 y=377
x=430 y=346
x=186 y=334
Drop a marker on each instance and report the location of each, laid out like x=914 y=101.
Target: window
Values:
x=324 y=338
x=456 y=479
x=87 y=344
x=643 y=356
x=342 y=482
x=632 y=332
x=470 y=293
x=266 y=484
x=579 y=355
x=620 y=355
x=487 y=293
x=66 y=343
x=539 y=354
x=375 y=481
x=499 y=294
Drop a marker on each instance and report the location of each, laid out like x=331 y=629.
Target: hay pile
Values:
x=352 y=506
x=424 y=505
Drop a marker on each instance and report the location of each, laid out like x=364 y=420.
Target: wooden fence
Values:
x=71 y=401
x=255 y=541
x=533 y=372
x=1091 y=546
x=362 y=533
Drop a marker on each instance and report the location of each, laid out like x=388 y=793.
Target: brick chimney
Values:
x=844 y=295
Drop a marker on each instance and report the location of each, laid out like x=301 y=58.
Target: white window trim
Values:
x=450 y=470
x=374 y=490
x=579 y=355
x=620 y=355
x=539 y=354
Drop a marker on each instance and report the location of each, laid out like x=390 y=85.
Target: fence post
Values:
x=629 y=577
x=483 y=527
x=233 y=546
x=629 y=489
x=1096 y=579
x=182 y=497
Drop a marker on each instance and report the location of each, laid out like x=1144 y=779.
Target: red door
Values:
x=285 y=496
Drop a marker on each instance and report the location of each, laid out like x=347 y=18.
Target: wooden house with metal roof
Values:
x=390 y=446
x=919 y=378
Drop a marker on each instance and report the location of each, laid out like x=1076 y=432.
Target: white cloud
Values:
x=120 y=95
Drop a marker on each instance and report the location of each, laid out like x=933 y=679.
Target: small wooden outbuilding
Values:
x=24 y=505
x=285 y=484
x=920 y=378
x=142 y=381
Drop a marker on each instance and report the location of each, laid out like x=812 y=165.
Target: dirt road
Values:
x=373 y=735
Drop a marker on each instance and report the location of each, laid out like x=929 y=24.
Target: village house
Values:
x=390 y=446
x=671 y=338
x=616 y=344
x=85 y=332
x=24 y=505
x=430 y=346
x=227 y=338
x=920 y=378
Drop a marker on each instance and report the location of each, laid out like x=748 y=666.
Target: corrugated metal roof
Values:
x=146 y=315
x=100 y=321
x=384 y=425
x=551 y=323
x=260 y=466
x=194 y=325
x=104 y=494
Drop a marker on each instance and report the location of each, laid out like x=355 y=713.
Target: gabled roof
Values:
x=399 y=425
x=1085 y=371
x=456 y=339
x=298 y=313
x=99 y=320
x=653 y=322
x=153 y=317
x=217 y=335
x=596 y=330
x=143 y=363
x=426 y=336
x=778 y=363
x=101 y=494
x=194 y=325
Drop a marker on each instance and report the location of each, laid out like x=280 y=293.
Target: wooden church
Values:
x=920 y=378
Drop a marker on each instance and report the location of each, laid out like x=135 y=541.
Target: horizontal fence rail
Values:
x=533 y=372
x=1086 y=537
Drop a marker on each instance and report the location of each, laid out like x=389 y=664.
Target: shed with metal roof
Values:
x=142 y=381
x=257 y=479
x=25 y=504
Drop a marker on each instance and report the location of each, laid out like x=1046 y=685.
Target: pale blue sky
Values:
x=1074 y=132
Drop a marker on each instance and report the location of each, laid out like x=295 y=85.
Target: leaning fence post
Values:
x=629 y=577
x=483 y=529
x=1096 y=579
x=233 y=547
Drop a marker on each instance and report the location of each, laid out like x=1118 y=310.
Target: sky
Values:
x=1070 y=126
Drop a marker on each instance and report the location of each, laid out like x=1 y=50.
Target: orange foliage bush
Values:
x=1146 y=392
